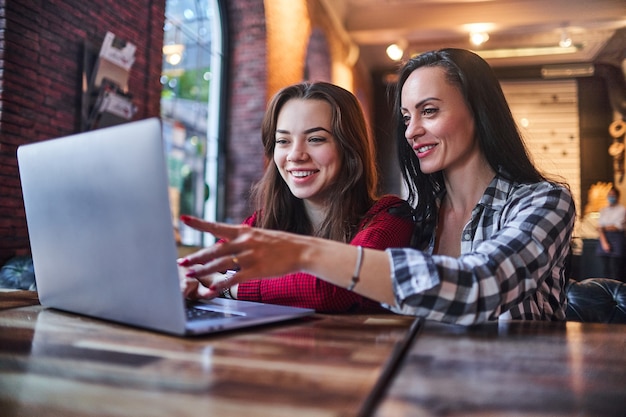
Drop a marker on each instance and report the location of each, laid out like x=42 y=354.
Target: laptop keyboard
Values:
x=201 y=314
x=197 y=313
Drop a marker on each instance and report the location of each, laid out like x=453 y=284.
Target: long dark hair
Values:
x=355 y=190
x=497 y=134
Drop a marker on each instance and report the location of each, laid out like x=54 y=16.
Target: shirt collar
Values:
x=497 y=191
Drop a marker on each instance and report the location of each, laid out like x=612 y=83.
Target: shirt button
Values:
x=466 y=236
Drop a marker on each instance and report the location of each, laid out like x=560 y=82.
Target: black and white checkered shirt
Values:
x=512 y=263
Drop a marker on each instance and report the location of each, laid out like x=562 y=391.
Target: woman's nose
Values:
x=296 y=153
x=413 y=130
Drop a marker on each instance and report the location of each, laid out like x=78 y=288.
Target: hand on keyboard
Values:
x=193 y=289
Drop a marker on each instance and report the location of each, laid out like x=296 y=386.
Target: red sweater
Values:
x=379 y=229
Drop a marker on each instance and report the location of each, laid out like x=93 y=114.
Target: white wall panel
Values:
x=547 y=115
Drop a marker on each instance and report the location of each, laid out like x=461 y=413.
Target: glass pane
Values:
x=186 y=78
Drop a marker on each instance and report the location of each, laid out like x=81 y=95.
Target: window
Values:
x=190 y=100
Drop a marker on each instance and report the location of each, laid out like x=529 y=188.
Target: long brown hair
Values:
x=355 y=190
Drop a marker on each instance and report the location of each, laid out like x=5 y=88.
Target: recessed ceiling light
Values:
x=478 y=38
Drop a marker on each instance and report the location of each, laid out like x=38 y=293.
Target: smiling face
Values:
x=306 y=153
x=439 y=125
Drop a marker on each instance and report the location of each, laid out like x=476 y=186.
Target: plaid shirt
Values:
x=512 y=263
x=381 y=228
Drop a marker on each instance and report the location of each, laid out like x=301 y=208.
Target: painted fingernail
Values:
x=191 y=273
x=183 y=261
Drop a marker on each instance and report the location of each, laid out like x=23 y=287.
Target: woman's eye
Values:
x=406 y=119
x=317 y=139
x=429 y=111
x=281 y=141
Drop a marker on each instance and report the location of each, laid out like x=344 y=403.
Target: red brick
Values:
x=41 y=80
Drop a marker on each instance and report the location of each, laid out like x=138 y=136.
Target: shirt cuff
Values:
x=412 y=273
x=250 y=291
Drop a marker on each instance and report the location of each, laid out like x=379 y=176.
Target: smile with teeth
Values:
x=302 y=174
x=425 y=148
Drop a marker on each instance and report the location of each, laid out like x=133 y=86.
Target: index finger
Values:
x=219 y=230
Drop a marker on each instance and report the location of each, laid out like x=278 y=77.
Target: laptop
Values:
x=102 y=238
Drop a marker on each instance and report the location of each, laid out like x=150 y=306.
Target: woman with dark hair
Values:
x=493 y=232
x=496 y=133
x=320 y=180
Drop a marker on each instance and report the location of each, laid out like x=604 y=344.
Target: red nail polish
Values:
x=191 y=273
x=184 y=262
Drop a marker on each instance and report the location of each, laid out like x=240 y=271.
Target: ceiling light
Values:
x=478 y=38
x=395 y=51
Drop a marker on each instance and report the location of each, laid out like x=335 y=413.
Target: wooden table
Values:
x=58 y=364
x=512 y=369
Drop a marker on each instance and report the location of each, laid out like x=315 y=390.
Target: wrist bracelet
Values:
x=226 y=293
x=357 y=268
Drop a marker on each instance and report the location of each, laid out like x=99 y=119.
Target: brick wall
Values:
x=41 y=57
x=247 y=91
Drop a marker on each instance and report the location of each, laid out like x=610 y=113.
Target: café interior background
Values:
x=208 y=67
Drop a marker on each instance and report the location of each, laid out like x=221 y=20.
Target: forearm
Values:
x=305 y=290
x=262 y=253
x=335 y=262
